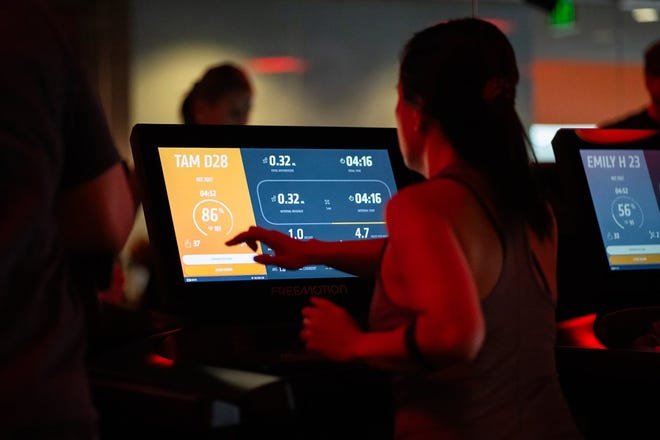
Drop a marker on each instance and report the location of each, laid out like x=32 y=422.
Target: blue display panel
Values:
x=326 y=194
x=624 y=188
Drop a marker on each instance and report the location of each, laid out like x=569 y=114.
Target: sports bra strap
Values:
x=489 y=214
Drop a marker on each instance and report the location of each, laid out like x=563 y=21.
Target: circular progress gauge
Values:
x=211 y=216
x=627 y=212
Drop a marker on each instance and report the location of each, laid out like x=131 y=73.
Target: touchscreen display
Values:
x=624 y=187
x=215 y=193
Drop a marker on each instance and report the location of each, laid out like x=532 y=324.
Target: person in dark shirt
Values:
x=65 y=201
x=649 y=116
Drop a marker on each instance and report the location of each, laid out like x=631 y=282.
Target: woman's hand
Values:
x=288 y=252
x=329 y=330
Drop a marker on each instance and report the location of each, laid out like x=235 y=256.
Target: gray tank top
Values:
x=511 y=390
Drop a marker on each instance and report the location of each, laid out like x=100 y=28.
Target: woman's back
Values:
x=510 y=390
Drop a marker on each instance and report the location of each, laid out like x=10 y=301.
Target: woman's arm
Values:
x=359 y=257
x=436 y=282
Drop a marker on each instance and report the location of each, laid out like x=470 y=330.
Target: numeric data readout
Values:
x=327 y=194
x=624 y=188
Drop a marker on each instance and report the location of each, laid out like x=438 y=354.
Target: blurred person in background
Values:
x=222 y=96
x=649 y=116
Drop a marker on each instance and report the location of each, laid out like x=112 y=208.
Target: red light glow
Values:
x=278 y=65
x=580 y=332
x=159 y=361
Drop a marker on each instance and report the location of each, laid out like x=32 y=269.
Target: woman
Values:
x=222 y=96
x=463 y=311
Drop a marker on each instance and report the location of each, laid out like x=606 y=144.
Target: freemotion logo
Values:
x=321 y=289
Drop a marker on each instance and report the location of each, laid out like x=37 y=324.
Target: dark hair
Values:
x=652 y=59
x=216 y=82
x=463 y=75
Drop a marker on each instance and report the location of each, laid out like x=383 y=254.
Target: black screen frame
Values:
x=205 y=302
x=591 y=275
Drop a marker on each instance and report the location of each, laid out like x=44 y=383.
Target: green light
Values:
x=563 y=14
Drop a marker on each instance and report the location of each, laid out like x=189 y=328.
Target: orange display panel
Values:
x=209 y=201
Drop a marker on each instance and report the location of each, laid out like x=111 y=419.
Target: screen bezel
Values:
x=200 y=300
x=609 y=289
